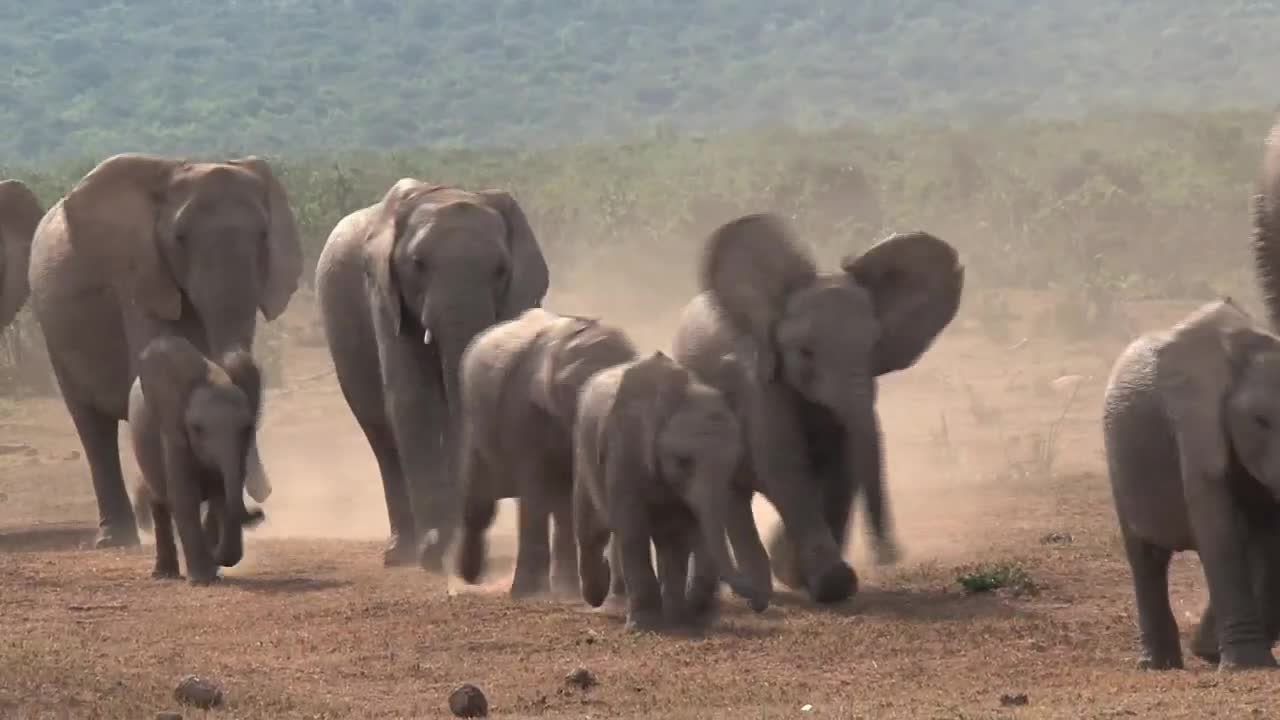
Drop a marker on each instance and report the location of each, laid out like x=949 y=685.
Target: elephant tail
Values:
x=142 y=506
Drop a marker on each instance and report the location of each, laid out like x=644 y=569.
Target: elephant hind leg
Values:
x=98 y=432
x=1157 y=628
x=533 y=553
x=564 y=545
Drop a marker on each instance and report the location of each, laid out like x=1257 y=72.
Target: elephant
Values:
x=1194 y=464
x=1266 y=228
x=145 y=246
x=20 y=211
x=655 y=454
x=798 y=352
x=520 y=381
x=403 y=286
x=192 y=422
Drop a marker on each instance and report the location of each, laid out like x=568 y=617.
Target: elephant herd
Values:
x=147 y=276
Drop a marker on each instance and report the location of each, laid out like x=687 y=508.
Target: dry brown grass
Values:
x=311 y=626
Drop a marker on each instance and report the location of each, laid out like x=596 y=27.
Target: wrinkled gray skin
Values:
x=192 y=423
x=520 y=384
x=798 y=352
x=655 y=454
x=144 y=246
x=404 y=285
x=1190 y=421
x=20 y=211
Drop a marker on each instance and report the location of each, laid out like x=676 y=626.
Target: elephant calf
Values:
x=520 y=384
x=655 y=452
x=1190 y=429
x=192 y=422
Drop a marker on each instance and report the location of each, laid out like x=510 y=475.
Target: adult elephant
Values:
x=404 y=285
x=20 y=211
x=798 y=352
x=144 y=246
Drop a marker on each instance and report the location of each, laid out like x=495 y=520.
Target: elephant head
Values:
x=1266 y=228
x=826 y=337
x=447 y=263
x=687 y=437
x=20 y=212
x=204 y=244
x=209 y=412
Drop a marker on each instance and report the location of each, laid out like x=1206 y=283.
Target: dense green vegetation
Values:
x=91 y=77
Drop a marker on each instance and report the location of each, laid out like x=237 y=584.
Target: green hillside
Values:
x=86 y=77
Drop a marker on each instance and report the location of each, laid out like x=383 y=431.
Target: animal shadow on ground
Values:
x=723 y=624
x=45 y=537
x=283 y=585
x=909 y=605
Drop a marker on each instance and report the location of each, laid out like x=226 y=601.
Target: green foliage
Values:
x=989 y=577
x=93 y=77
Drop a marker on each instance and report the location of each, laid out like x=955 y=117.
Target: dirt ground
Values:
x=990 y=458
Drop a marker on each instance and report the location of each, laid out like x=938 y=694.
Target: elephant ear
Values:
x=579 y=349
x=1196 y=366
x=111 y=216
x=750 y=266
x=529 y=277
x=20 y=212
x=284 y=251
x=915 y=281
x=170 y=368
x=384 y=230
x=649 y=393
x=244 y=372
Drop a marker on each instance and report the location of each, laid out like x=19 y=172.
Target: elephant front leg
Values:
x=592 y=536
x=1223 y=544
x=201 y=569
x=632 y=534
x=703 y=597
x=1157 y=629
x=99 y=435
x=417 y=408
x=166 y=567
x=748 y=550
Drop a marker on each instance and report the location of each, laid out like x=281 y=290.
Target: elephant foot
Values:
x=1160 y=661
x=398 y=553
x=164 y=573
x=1244 y=657
x=704 y=610
x=887 y=553
x=431 y=552
x=836 y=584
x=117 y=536
x=526 y=587
x=644 y=620
x=1204 y=643
x=471 y=558
x=204 y=578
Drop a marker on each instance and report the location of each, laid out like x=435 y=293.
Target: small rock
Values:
x=73 y=455
x=580 y=678
x=166 y=715
x=1014 y=699
x=1056 y=538
x=204 y=694
x=468 y=702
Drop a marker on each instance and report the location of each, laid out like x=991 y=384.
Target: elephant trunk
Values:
x=236 y=516
x=1266 y=230
x=710 y=501
x=863 y=462
x=451 y=328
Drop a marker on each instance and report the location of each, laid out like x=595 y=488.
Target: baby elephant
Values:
x=655 y=453
x=192 y=422
x=520 y=383
x=1191 y=422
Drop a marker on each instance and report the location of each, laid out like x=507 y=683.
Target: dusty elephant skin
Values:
x=520 y=384
x=1189 y=428
x=20 y=211
x=404 y=285
x=144 y=246
x=798 y=353
x=192 y=422
x=656 y=452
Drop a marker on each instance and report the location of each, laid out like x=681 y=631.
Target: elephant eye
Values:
x=684 y=463
x=499 y=272
x=806 y=354
x=1263 y=421
x=419 y=264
